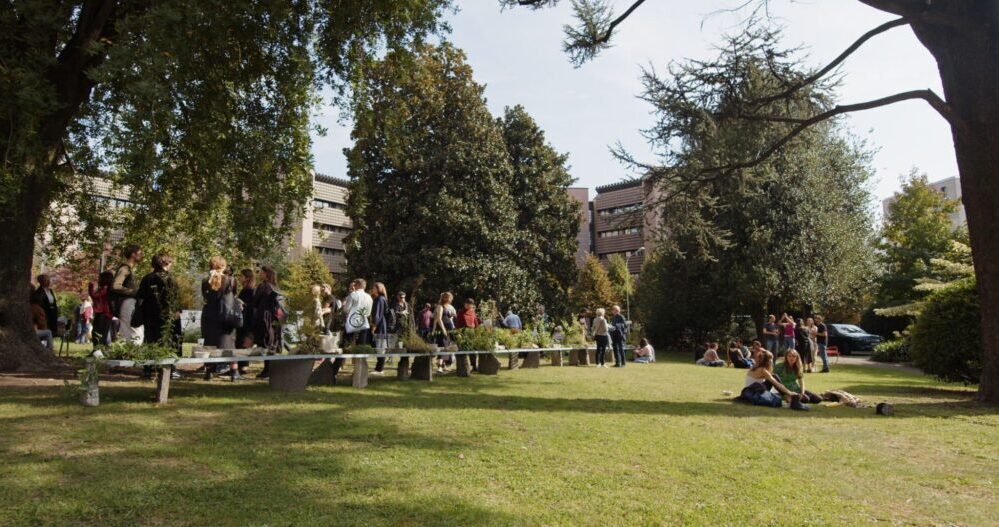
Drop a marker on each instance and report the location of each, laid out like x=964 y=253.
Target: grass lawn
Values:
x=646 y=445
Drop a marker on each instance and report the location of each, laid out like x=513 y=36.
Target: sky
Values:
x=517 y=55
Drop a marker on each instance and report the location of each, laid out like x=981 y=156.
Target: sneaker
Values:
x=377 y=372
x=175 y=375
x=440 y=370
x=825 y=371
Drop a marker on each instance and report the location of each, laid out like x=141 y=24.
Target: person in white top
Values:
x=710 y=357
x=356 y=329
x=600 y=333
x=645 y=352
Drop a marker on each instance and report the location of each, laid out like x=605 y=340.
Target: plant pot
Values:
x=290 y=375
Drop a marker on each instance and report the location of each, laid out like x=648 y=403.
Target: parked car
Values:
x=849 y=338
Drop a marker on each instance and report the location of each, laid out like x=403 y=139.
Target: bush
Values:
x=477 y=339
x=192 y=334
x=892 y=351
x=945 y=339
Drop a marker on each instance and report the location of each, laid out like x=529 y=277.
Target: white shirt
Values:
x=358 y=307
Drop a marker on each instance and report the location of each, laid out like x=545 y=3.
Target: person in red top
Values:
x=467 y=318
x=104 y=330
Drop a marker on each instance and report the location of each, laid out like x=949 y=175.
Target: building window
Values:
x=331 y=251
x=624 y=209
x=622 y=254
x=325 y=227
x=619 y=232
x=327 y=204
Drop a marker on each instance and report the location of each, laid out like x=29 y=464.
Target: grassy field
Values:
x=646 y=445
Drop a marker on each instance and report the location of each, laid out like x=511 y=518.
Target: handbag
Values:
x=231 y=309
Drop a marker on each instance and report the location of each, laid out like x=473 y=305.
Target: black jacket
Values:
x=50 y=307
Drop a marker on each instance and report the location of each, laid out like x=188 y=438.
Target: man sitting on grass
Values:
x=738 y=357
x=710 y=357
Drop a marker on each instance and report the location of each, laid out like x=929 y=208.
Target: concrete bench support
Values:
x=360 y=377
x=403 y=371
x=323 y=375
x=557 y=357
x=463 y=367
x=290 y=375
x=488 y=364
x=423 y=368
x=533 y=360
x=163 y=384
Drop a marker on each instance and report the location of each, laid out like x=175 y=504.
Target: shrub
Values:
x=892 y=351
x=945 y=339
x=192 y=334
x=415 y=344
x=475 y=339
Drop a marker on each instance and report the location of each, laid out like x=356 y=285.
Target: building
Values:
x=951 y=189
x=326 y=224
x=619 y=224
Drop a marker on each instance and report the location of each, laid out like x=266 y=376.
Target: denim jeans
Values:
x=601 y=348
x=617 y=342
x=789 y=344
x=46 y=335
x=772 y=346
x=824 y=356
x=766 y=398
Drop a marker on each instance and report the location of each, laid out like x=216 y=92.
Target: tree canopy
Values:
x=445 y=197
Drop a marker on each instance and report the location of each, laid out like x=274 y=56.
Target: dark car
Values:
x=849 y=338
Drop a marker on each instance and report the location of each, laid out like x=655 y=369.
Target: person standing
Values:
x=618 y=333
x=822 y=340
x=215 y=289
x=601 y=334
x=103 y=333
x=330 y=308
x=425 y=320
x=157 y=298
x=379 y=323
x=512 y=321
x=803 y=344
x=86 y=320
x=467 y=318
x=123 y=291
x=46 y=299
x=399 y=311
x=787 y=326
x=357 y=327
x=444 y=315
x=771 y=335
x=267 y=315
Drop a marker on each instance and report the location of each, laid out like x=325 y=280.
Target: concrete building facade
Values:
x=325 y=224
x=619 y=224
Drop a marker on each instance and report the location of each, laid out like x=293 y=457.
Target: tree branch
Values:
x=614 y=23
x=927 y=95
x=836 y=62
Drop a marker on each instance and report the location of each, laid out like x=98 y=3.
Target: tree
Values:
x=917 y=230
x=794 y=231
x=547 y=217
x=961 y=36
x=431 y=178
x=620 y=278
x=593 y=288
x=197 y=110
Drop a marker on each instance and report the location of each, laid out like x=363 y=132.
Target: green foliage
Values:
x=361 y=349
x=475 y=339
x=123 y=350
x=192 y=334
x=794 y=229
x=593 y=288
x=892 y=351
x=575 y=334
x=301 y=274
x=620 y=278
x=432 y=182
x=413 y=343
x=946 y=338
x=507 y=338
x=68 y=302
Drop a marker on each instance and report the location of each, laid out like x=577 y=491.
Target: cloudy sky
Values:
x=517 y=55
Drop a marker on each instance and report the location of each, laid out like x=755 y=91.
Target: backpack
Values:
x=279 y=307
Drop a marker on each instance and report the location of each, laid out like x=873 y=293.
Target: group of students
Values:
x=613 y=331
x=809 y=337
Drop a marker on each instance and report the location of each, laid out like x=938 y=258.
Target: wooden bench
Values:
x=293 y=372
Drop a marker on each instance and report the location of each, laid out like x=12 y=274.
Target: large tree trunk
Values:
x=19 y=347
x=967 y=54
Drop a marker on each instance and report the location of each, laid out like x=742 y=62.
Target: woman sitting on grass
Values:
x=645 y=353
x=738 y=358
x=760 y=383
x=792 y=376
x=710 y=357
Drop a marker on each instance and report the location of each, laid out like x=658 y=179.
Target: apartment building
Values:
x=583 y=242
x=325 y=224
x=619 y=224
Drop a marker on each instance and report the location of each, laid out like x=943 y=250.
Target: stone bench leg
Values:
x=91 y=394
x=489 y=364
x=163 y=385
x=513 y=361
x=360 y=377
x=403 y=370
x=463 y=367
x=574 y=357
x=323 y=375
x=588 y=357
x=423 y=368
x=557 y=358
x=533 y=360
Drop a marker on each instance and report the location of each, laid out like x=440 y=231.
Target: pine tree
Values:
x=593 y=288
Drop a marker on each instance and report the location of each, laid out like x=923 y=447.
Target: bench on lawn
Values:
x=294 y=372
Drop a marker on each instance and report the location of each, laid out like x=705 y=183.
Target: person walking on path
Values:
x=123 y=291
x=600 y=333
x=618 y=334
